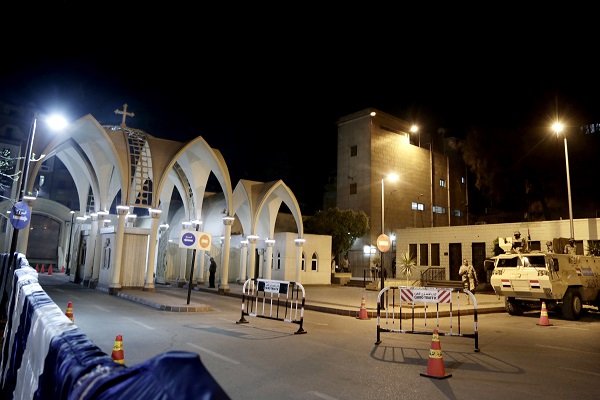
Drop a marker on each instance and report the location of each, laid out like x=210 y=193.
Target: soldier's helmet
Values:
x=517 y=233
x=571 y=240
x=548 y=243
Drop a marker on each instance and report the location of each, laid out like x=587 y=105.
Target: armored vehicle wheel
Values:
x=513 y=307
x=571 y=306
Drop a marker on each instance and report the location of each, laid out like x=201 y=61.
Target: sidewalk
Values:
x=333 y=299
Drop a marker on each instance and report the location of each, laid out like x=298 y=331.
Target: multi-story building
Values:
x=431 y=190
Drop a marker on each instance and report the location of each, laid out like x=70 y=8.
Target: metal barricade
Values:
x=392 y=299
x=272 y=299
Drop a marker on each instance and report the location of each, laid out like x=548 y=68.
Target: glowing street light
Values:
x=55 y=123
x=558 y=128
x=415 y=129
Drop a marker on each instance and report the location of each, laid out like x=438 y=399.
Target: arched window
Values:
x=313 y=262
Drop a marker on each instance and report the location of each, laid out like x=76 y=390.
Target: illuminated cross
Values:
x=125 y=114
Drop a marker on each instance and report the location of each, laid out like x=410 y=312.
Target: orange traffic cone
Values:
x=42 y=270
x=69 y=312
x=362 y=313
x=435 y=364
x=37 y=268
x=117 y=352
x=50 y=270
x=544 y=321
x=62 y=270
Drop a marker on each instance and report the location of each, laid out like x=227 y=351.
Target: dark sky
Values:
x=268 y=95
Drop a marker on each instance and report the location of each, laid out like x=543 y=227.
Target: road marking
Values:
x=563 y=348
x=322 y=396
x=212 y=353
x=101 y=308
x=140 y=324
x=580 y=371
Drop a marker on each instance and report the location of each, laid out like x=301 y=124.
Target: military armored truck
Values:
x=566 y=283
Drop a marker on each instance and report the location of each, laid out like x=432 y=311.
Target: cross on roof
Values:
x=125 y=114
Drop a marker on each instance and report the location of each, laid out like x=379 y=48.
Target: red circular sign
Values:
x=383 y=243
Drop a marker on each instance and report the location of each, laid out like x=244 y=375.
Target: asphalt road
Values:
x=337 y=357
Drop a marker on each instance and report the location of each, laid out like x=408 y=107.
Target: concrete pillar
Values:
x=252 y=240
x=299 y=243
x=224 y=284
x=269 y=258
x=243 y=260
x=151 y=263
x=91 y=250
x=115 y=276
x=97 y=250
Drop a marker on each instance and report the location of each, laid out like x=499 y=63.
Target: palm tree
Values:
x=407 y=264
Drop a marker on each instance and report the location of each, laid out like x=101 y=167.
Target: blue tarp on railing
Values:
x=46 y=356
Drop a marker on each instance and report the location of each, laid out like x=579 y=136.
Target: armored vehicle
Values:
x=566 y=283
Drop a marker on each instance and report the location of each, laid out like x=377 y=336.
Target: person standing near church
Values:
x=469 y=278
x=212 y=270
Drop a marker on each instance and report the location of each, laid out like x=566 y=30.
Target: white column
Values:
x=224 y=284
x=252 y=239
x=268 y=258
x=200 y=258
x=98 y=250
x=181 y=279
x=115 y=276
x=299 y=243
x=149 y=278
x=90 y=251
x=243 y=259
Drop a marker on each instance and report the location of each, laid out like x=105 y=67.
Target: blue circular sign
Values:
x=188 y=239
x=20 y=215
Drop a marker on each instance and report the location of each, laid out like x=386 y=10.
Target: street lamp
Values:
x=558 y=127
x=392 y=177
x=68 y=269
x=415 y=129
x=53 y=122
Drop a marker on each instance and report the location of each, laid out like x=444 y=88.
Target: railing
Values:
x=433 y=274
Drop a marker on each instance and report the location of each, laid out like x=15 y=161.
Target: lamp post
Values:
x=558 y=127
x=68 y=269
x=392 y=177
x=415 y=129
x=54 y=122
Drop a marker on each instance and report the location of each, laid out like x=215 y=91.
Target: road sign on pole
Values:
x=20 y=215
x=383 y=243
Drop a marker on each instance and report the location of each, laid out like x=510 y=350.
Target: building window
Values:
x=412 y=251
x=435 y=254
x=313 y=262
x=353 y=188
x=278 y=260
x=424 y=251
x=353 y=151
x=439 y=210
x=457 y=213
x=418 y=206
x=303 y=261
x=442 y=183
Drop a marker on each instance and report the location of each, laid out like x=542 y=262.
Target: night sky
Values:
x=268 y=95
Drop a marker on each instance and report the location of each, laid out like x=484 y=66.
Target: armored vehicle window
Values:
x=507 y=262
x=537 y=262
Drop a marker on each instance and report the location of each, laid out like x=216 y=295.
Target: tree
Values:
x=406 y=265
x=7 y=170
x=344 y=227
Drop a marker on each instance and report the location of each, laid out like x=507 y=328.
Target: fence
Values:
x=392 y=299
x=272 y=299
x=46 y=356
